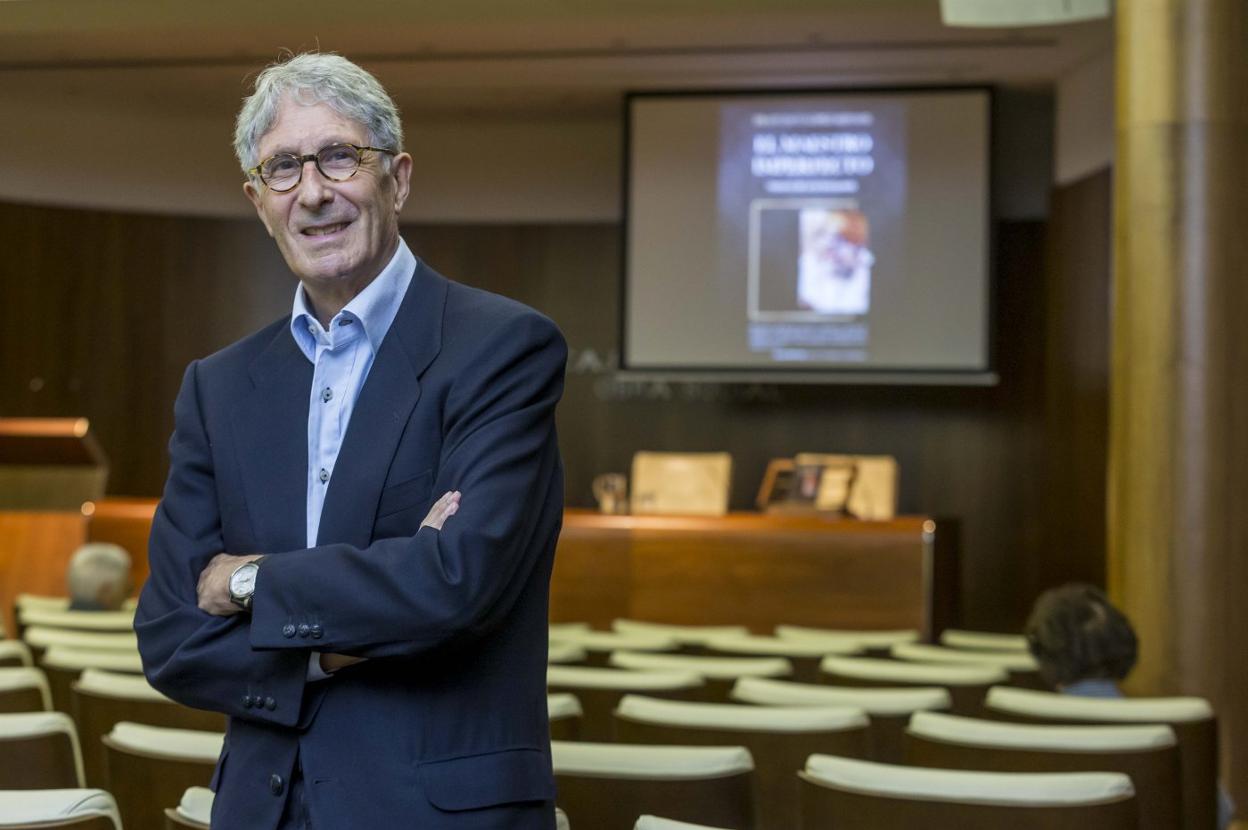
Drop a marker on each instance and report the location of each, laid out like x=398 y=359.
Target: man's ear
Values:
x=401 y=170
x=253 y=195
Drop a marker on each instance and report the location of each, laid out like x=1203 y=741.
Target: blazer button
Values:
x=276 y=784
x=270 y=704
x=288 y=630
x=304 y=629
x=317 y=631
x=247 y=701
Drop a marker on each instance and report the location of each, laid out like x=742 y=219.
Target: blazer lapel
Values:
x=382 y=411
x=271 y=430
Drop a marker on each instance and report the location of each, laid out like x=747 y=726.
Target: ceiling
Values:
x=511 y=58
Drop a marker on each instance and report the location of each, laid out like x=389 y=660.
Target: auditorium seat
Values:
x=779 y=739
x=598 y=645
x=982 y=640
x=848 y=794
x=561 y=820
x=565 y=653
x=111 y=621
x=877 y=642
x=1022 y=666
x=564 y=712
x=193 y=811
x=720 y=672
x=606 y=786
x=52 y=809
x=63 y=664
x=690 y=637
x=967 y=684
x=24 y=689
x=803 y=654
x=656 y=823
x=565 y=627
x=600 y=690
x=1191 y=718
x=41 y=638
x=150 y=767
x=14 y=654
x=1148 y=754
x=100 y=699
x=39 y=750
x=888 y=708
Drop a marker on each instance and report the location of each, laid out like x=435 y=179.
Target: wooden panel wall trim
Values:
x=35 y=547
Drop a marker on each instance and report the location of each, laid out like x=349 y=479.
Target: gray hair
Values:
x=94 y=566
x=316 y=78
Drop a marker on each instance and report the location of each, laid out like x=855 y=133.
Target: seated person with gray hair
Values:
x=1086 y=647
x=99 y=577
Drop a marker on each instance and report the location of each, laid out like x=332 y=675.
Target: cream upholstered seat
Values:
x=118 y=684
x=889 y=709
x=43 y=637
x=605 y=786
x=855 y=795
x=196 y=805
x=966 y=682
x=80 y=620
x=1192 y=719
x=599 y=644
x=561 y=820
x=779 y=739
x=565 y=713
x=656 y=823
x=560 y=652
x=599 y=690
x=720 y=672
x=80 y=809
x=55 y=603
x=24 y=689
x=63 y=664
x=686 y=635
x=39 y=750
x=803 y=654
x=1011 y=661
x=869 y=639
x=15 y=653
x=564 y=627
x=1147 y=753
x=983 y=640
x=150 y=767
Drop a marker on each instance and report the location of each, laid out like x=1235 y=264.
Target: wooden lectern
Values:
x=52 y=471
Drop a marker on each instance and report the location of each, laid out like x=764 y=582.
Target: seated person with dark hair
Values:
x=1086 y=647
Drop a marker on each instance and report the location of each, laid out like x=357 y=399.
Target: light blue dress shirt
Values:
x=341 y=357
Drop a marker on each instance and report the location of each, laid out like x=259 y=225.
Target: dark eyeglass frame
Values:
x=315 y=158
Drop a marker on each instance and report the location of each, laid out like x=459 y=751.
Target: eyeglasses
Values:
x=337 y=162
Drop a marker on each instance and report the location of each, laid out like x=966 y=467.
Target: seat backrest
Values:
x=1148 y=754
x=803 y=654
x=193 y=812
x=39 y=750
x=561 y=652
x=685 y=635
x=41 y=638
x=599 y=644
x=870 y=639
x=1017 y=663
x=63 y=664
x=719 y=672
x=150 y=767
x=889 y=709
x=1191 y=718
x=564 y=712
x=779 y=739
x=79 y=809
x=32 y=615
x=657 y=823
x=605 y=786
x=599 y=691
x=966 y=683
x=15 y=654
x=983 y=640
x=856 y=795
x=102 y=699
x=24 y=689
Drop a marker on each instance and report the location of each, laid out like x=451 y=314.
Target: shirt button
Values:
x=270 y=703
x=288 y=630
x=327 y=395
x=317 y=631
x=324 y=476
x=304 y=629
x=276 y=784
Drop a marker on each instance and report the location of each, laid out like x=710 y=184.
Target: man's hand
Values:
x=214 y=584
x=442 y=509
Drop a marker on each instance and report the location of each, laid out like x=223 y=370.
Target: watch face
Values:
x=243 y=582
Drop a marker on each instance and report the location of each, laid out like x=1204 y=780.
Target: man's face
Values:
x=335 y=236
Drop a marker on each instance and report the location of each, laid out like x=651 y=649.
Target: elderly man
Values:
x=381 y=656
x=98 y=577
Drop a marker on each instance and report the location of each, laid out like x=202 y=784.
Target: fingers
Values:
x=443 y=509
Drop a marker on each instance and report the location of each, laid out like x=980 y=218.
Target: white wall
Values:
x=1085 y=119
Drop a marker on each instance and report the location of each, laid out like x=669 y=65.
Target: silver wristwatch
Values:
x=243 y=584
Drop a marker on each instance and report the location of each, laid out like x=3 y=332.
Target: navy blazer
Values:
x=445 y=724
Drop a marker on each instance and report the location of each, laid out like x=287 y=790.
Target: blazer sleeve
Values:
x=404 y=596
x=191 y=656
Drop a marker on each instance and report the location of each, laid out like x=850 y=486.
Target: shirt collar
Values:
x=374 y=308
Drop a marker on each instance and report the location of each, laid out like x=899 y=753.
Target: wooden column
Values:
x=1178 y=459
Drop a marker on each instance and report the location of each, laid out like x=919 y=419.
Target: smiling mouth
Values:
x=325 y=230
